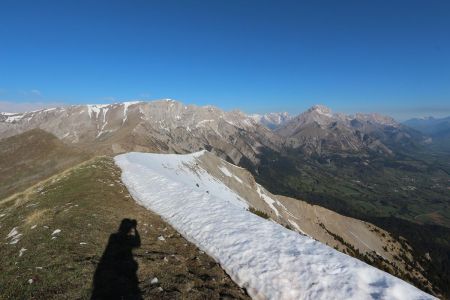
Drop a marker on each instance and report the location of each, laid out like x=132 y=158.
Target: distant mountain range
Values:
x=170 y=126
x=158 y=126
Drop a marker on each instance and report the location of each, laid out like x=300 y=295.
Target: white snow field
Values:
x=270 y=261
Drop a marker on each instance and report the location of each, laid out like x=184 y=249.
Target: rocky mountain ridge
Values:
x=319 y=130
x=158 y=126
x=170 y=126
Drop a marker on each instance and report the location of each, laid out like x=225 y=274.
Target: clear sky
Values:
x=390 y=56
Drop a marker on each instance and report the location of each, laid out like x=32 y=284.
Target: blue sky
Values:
x=391 y=56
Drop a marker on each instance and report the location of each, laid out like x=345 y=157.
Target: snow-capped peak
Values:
x=321 y=109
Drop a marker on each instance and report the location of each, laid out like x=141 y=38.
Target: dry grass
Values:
x=38 y=217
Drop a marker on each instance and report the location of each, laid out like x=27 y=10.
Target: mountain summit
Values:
x=320 y=109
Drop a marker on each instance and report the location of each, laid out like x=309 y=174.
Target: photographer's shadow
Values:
x=116 y=273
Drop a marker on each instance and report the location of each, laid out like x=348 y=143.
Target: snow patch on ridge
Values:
x=270 y=261
x=94 y=109
x=11 y=118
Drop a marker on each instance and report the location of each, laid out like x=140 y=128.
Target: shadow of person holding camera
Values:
x=116 y=273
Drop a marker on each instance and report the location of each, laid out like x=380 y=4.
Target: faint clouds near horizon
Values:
x=409 y=112
x=18 y=107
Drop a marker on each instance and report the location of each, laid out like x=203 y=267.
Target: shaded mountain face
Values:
x=32 y=156
x=319 y=131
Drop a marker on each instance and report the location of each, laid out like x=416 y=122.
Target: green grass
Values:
x=259 y=213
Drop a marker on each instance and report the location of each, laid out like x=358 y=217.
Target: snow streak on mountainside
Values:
x=270 y=261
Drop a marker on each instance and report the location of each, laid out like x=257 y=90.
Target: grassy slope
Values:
x=87 y=204
x=33 y=156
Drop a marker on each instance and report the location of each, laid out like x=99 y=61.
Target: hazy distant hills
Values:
x=437 y=127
